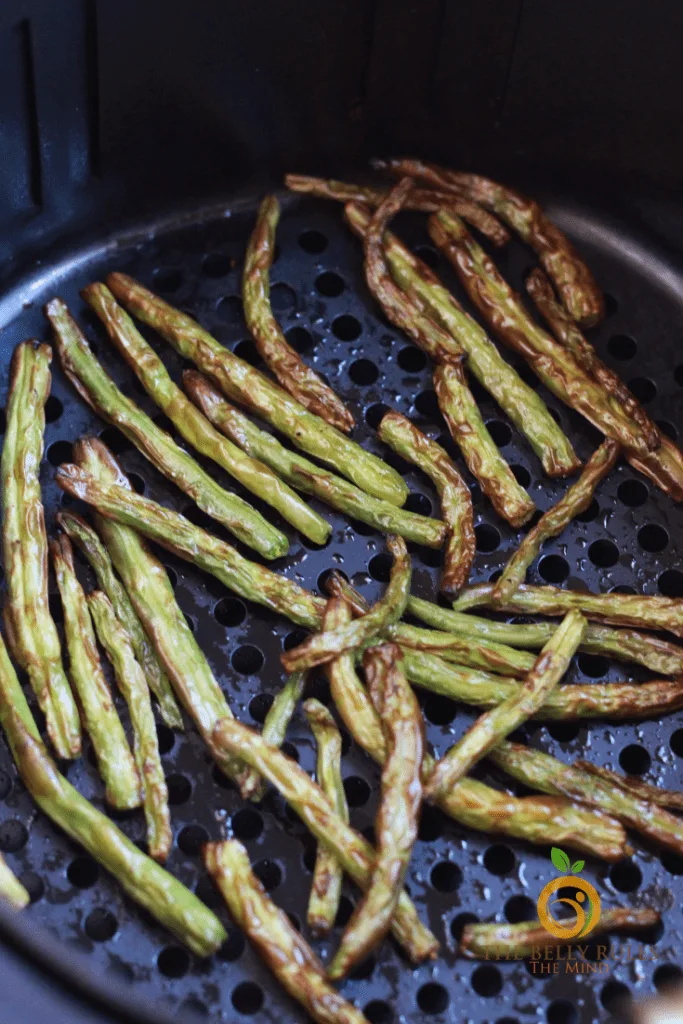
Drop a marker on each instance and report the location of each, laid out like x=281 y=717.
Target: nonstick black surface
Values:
x=630 y=539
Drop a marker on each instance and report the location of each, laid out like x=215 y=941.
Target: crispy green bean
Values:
x=151 y=594
x=323 y=647
x=455 y=399
x=463 y=650
x=144 y=881
x=101 y=720
x=132 y=683
x=304 y=475
x=523 y=406
x=528 y=938
x=472 y=803
x=11 y=889
x=277 y=941
x=456 y=500
x=424 y=200
x=575 y=700
x=631 y=784
x=400 y=802
x=83 y=535
x=31 y=633
x=572 y=278
x=310 y=803
x=243 y=384
x=176 y=533
x=659 y=613
x=483 y=459
x=194 y=427
x=569 y=334
x=97 y=388
x=551 y=524
x=663 y=466
x=291 y=371
x=664 y=658
x=328 y=874
x=502 y=309
x=494 y=725
x=280 y=712
x=547 y=774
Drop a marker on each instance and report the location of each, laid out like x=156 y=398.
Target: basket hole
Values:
x=374 y=414
x=595 y=666
x=521 y=475
x=229 y=612
x=13 y=836
x=167 y=279
x=247 y=351
x=117 y=442
x=603 y=553
x=429 y=255
x=418 y=504
x=564 y=732
x=433 y=557
x=553 y=568
x=282 y=298
x=137 y=483
x=269 y=874
x=625 y=876
x=378 y=1012
x=590 y=514
x=615 y=997
x=432 y=824
x=672 y=862
x=3 y=420
x=173 y=961
x=439 y=710
x=192 y=838
x=635 y=760
x=229 y=309
x=363 y=372
x=357 y=791
x=59 y=452
x=5 y=784
x=100 y=925
x=33 y=884
x=313 y=242
x=193 y=1009
x=53 y=409
x=643 y=388
x=670 y=583
x=411 y=359
x=499 y=859
x=165 y=738
x=217 y=264
x=427 y=405
x=487 y=981
x=676 y=742
x=433 y=998
x=247 y=660
x=293 y=639
x=379 y=567
x=260 y=705
x=232 y=948
x=83 y=872
x=668 y=429
x=290 y=751
x=329 y=284
x=247 y=998
x=667 y=976
x=488 y=537
x=623 y=588
x=520 y=908
x=500 y=432
x=561 y=1011
x=678 y=375
x=446 y=876
x=300 y=339
x=653 y=538
x=346 y=327
x=632 y=493
x=179 y=789
x=363 y=970
x=460 y=922
x=621 y=346
x=611 y=305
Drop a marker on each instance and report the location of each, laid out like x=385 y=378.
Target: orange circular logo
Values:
x=586 y=907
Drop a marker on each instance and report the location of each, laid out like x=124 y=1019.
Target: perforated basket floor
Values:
x=629 y=539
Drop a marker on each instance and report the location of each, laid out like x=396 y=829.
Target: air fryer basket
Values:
x=629 y=538
x=120 y=123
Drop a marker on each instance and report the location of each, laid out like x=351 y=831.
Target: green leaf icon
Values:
x=577 y=866
x=560 y=859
